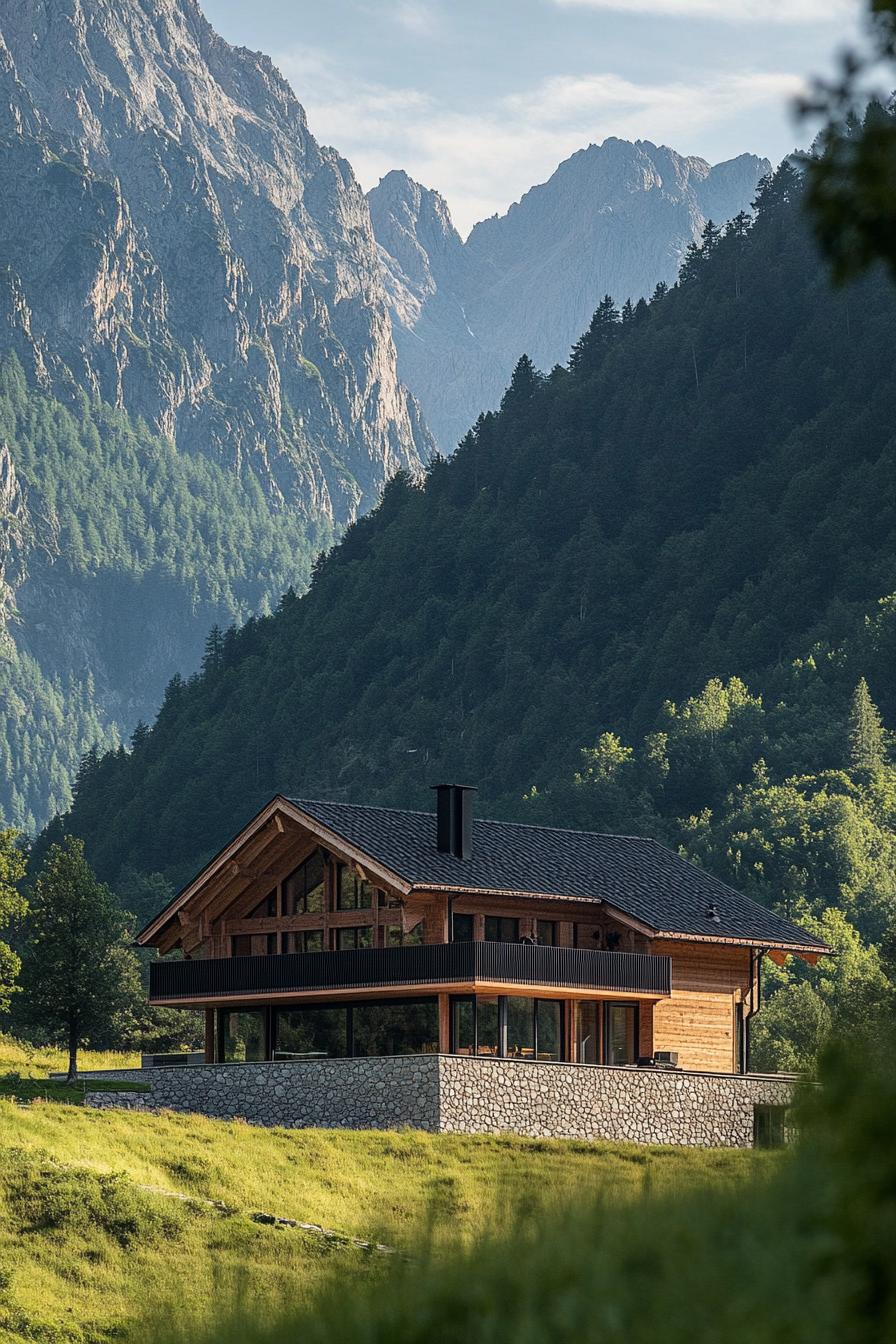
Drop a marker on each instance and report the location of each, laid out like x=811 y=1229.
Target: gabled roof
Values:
x=639 y=878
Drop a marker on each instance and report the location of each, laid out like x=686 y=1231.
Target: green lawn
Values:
x=16 y=1088
x=30 y=1061
x=88 y=1243
x=25 y=1070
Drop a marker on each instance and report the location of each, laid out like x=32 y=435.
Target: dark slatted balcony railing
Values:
x=431 y=964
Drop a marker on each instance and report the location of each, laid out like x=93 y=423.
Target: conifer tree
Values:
x=524 y=383
x=589 y=349
x=866 y=732
x=78 y=970
x=213 y=656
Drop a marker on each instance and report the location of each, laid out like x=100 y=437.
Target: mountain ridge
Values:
x=614 y=217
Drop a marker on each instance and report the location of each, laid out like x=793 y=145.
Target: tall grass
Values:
x=803 y=1254
x=90 y=1249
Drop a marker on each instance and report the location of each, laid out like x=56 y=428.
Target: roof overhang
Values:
x=808 y=951
x=282 y=812
x=279 y=813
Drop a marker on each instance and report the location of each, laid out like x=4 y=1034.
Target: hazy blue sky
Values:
x=483 y=98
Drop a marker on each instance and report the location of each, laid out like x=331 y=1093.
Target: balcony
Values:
x=466 y=965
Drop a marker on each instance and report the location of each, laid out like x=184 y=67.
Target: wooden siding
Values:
x=698 y=1019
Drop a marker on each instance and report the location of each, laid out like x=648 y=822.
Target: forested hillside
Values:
x=124 y=550
x=705 y=494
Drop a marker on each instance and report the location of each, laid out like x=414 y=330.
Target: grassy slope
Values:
x=24 y=1071
x=84 y=1248
x=804 y=1257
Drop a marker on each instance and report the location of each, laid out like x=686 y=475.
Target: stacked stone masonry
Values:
x=457 y=1094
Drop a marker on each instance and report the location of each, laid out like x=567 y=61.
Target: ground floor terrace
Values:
x=496 y=1026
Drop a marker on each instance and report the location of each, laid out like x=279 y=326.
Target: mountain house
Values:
x=329 y=933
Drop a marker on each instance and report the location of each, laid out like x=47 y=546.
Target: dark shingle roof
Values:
x=641 y=878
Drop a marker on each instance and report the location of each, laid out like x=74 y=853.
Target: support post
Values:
x=444 y=1024
x=210 y=1036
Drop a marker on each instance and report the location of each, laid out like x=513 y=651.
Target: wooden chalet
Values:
x=327 y=929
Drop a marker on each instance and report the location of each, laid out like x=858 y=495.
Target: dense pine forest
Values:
x=120 y=534
x=652 y=593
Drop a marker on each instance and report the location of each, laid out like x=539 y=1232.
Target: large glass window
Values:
x=587 y=1033
x=310 y=1033
x=546 y=932
x=548 y=1028
x=621 y=1033
x=407 y=1028
x=241 y=945
x=499 y=929
x=463 y=1026
x=397 y=937
x=347 y=939
x=514 y=1026
x=303 y=890
x=520 y=1028
x=306 y=940
x=488 y=1027
x=352 y=892
x=462 y=928
x=265 y=909
x=242 y=1037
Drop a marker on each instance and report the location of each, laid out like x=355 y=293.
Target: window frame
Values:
x=360 y=885
x=553 y=925
x=501 y=920
x=300 y=907
x=608 y=1006
x=457 y=999
x=356 y=929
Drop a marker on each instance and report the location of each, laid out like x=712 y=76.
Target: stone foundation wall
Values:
x=458 y=1094
x=386 y=1093
x=701 y=1110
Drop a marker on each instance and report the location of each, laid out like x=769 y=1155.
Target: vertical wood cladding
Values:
x=698 y=1019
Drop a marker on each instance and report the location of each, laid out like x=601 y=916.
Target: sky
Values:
x=481 y=99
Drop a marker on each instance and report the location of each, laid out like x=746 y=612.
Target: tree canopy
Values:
x=78 y=969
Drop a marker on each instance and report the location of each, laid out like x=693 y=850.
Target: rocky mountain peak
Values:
x=233 y=294
x=419 y=245
x=614 y=217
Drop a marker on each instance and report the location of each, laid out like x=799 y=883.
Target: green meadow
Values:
x=115 y=1225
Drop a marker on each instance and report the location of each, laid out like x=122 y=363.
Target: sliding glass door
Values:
x=507 y=1026
x=620 y=1033
x=606 y=1033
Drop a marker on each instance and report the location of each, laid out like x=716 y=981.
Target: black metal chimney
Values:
x=454 y=819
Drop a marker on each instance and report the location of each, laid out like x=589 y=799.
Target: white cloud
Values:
x=416 y=16
x=728 y=11
x=481 y=163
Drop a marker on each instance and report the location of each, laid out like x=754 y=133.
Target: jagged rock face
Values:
x=177 y=241
x=614 y=218
x=13 y=533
